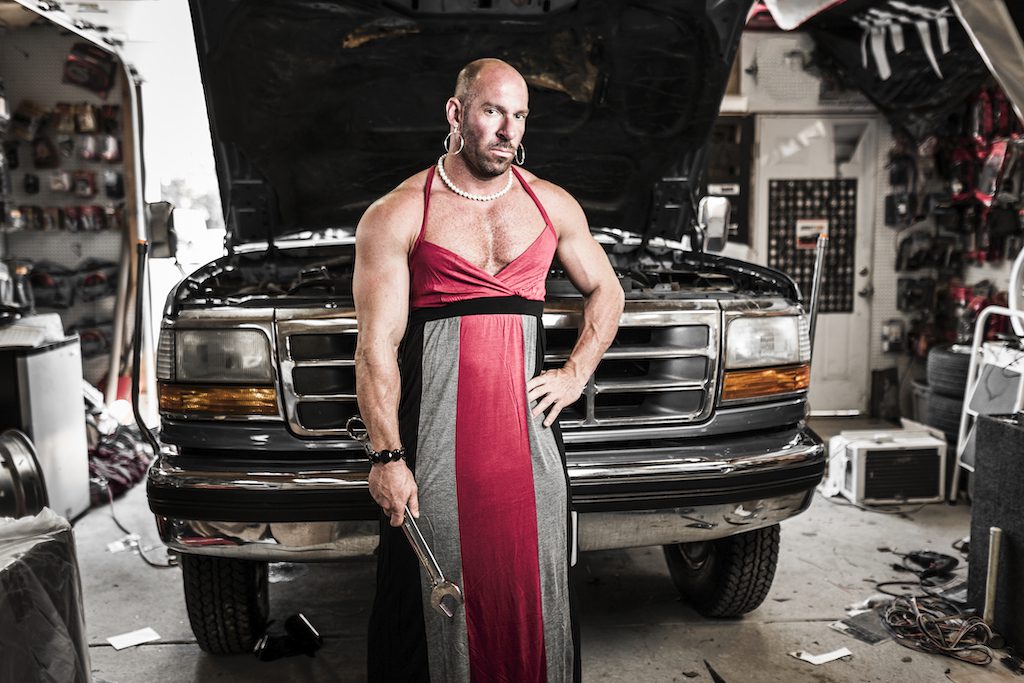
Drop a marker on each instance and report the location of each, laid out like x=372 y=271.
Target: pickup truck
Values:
x=691 y=435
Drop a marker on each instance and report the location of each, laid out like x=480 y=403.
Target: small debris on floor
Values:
x=1014 y=664
x=691 y=674
x=906 y=660
x=132 y=638
x=119 y=546
x=824 y=658
x=865 y=626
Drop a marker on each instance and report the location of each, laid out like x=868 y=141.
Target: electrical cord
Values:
x=928 y=621
x=936 y=626
x=880 y=509
x=142 y=553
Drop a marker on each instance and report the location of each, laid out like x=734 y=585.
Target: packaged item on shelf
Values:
x=66 y=146
x=95 y=336
x=44 y=154
x=87 y=147
x=71 y=218
x=113 y=217
x=111 y=149
x=91 y=67
x=27 y=120
x=64 y=114
x=32 y=216
x=96 y=278
x=90 y=218
x=113 y=184
x=94 y=340
x=11 y=154
x=53 y=285
x=30 y=183
x=14 y=218
x=60 y=181
x=110 y=119
x=85 y=183
x=53 y=218
x=85 y=117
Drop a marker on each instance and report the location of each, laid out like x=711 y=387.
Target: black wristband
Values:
x=385 y=456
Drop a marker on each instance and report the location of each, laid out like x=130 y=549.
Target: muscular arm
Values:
x=380 y=287
x=589 y=270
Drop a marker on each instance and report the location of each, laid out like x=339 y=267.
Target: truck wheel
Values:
x=227 y=601
x=947 y=371
x=727 y=577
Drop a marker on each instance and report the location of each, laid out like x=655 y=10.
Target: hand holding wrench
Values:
x=441 y=587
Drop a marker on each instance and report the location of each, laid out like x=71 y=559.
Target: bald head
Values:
x=481 y=71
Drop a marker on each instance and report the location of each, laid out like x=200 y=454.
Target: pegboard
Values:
x=798 y=209
x=31 y=66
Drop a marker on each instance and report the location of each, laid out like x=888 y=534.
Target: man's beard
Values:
x=482 y=165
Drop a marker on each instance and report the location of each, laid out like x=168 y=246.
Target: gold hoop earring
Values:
x=520 y=154
x=447 y=143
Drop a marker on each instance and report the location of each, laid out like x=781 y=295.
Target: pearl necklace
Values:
x=470 y=195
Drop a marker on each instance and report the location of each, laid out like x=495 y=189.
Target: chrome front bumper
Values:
x=650 y=496
x=325 y=541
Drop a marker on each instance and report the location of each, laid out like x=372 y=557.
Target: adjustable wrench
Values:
x=441 y=587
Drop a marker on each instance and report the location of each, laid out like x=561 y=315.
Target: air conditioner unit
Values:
x=888 y=467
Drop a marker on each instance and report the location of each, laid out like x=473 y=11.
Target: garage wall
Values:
x=778 y=77
x=31 y=65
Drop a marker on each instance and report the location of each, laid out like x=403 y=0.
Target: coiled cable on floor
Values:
x=937 y=626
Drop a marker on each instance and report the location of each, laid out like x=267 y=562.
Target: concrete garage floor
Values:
x=634 y=628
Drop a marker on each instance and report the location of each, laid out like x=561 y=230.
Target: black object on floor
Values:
x=999 y=501
x=301 y=639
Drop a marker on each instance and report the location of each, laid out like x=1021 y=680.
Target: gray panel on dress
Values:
x=447 y=641
x=552 y=545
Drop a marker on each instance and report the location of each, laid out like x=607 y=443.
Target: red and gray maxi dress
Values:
x=493 y=486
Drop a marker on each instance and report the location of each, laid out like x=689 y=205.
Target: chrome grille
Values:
x=318 y=372
x=661 y=369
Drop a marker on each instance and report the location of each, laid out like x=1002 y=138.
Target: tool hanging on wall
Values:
x=901 y=205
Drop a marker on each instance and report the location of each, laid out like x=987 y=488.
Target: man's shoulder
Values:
x=555 y=198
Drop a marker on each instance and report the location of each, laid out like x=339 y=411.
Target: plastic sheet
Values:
x=42 y=622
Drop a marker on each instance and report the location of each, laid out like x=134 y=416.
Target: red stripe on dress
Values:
x=497 y=505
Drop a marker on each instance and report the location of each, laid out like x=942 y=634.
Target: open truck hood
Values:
x=319 y=108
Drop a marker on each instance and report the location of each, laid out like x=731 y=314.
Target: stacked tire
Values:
x=947 y=376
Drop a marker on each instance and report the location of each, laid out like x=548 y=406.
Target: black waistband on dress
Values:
x=488 y=305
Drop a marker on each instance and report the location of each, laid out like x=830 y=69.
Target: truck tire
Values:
x=947 y=371
x=227 y=601
x=944 y=413
x=727 y=577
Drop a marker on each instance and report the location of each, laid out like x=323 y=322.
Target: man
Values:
x=449 y=287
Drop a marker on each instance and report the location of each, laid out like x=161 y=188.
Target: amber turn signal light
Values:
x=744 y=384
x=218 y=400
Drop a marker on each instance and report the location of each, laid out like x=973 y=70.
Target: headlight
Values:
x=765 y=341
x=165 y=355
x=224 y=356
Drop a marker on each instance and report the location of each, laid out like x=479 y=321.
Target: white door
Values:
x=816 y=149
